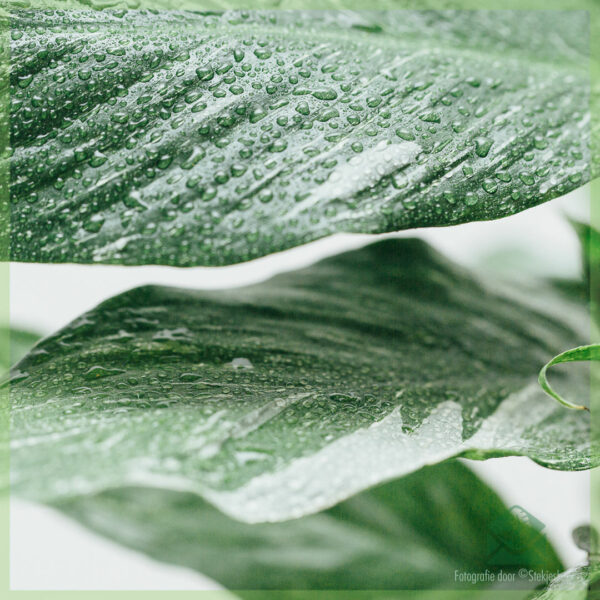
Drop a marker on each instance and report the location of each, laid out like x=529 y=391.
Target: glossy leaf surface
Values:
x=283 y=398
x=209 y=139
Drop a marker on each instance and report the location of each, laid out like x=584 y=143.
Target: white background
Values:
x=48 y=551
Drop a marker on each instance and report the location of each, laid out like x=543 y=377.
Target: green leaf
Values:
x=221 y=5
x=187 y=138
x=582 y=353
x=589 y=237
x=19 y=343
x=413 y=533
x=578 y=583
x=283 y=398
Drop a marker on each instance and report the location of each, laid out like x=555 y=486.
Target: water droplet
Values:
x=94 y=223
x=431 y=117
x=471 y=198
x=241 y=363
x=490 y=186
x=405 y=134
x=97 y=159
x=303 y=108
x=482 y=146
x=526 y=178
x=205 y=73
x=325 y=94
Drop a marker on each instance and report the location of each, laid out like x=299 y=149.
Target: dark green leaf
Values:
x=283 y=398
x=188 y=139
x=414 y=533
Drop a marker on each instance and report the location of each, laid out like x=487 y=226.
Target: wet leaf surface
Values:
x=214 y=138
x=283 y=398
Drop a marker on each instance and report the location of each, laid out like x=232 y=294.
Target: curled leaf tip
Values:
x=581 y=353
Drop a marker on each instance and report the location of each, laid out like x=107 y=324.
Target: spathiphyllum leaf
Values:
x=283 y=398
x=416 y=532
x=187 y=139
x=582 y=353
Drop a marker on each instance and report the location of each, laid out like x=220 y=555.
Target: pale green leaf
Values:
x=582 y=353
x=283 y=398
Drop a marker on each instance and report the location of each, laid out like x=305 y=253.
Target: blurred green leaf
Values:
x=14 y=344
x=429 y=530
